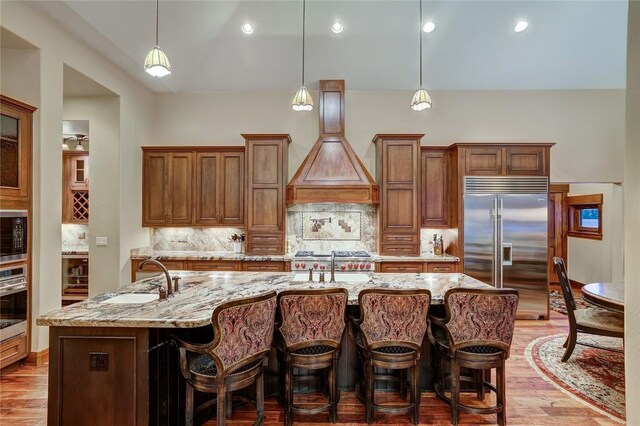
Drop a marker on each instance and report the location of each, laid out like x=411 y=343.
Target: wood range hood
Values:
x=332 y=172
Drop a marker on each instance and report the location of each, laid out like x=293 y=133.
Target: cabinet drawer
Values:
x=262 y=248
x=263 y=266
x=406 y=249
x=13 y=350
x=399 y=267
x=400 y=238
x=177 y=265
x=207 y=265
x=266 y=238
x=441 y=267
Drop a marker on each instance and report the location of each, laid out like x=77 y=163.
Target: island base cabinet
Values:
x=98 y=376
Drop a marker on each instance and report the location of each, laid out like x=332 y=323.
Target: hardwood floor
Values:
x=530 y=399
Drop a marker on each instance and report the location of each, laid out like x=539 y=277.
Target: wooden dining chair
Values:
x=590 y=320
x=308 y=337
x=243 y=333
x=389 y=335
x=476 y=334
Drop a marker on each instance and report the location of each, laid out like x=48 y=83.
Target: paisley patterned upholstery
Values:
x=394 y=317
x=312 y=317
x=481 y=318
x=244 y=330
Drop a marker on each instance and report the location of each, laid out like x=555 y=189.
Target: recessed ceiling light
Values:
x=337 y=27
x=428 y=27
x=521 y=26
x=247 y=28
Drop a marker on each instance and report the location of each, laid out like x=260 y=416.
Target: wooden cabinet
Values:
x=75 y=187
x=188 y=186
x=435 y=185
x=263 y=266
x=12 y=350
x=441 y=267
x=15 y=149
x=508 y=160
x=213 y=265
x=398 y=175
x=266 y=166
x=401 y=267
x=219 y=195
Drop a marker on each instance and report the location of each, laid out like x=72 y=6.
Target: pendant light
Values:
x=156 y=63
x=65 y=145
x=421 y=99
x=80 y=139
x=302 y=100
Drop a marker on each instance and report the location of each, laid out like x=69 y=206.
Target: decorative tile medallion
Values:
x=331 y=226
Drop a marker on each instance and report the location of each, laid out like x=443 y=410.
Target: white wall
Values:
x=589 y=122
x=599 y=260
x=56 y=48
x=103 y=114
x=632 y=219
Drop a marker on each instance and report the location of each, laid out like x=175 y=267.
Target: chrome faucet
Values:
x=162 y=291
x=333 y=267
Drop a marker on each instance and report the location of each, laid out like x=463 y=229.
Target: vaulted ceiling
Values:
x=568 y=44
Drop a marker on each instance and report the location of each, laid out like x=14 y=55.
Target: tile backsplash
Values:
x=75 y=237
x=326 y=227
x=194 y=239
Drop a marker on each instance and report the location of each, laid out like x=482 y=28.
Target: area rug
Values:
x=556 y=302
x=594 y=377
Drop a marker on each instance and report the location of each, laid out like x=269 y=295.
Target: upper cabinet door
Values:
x=266 y=185
x=231 y=189
x=155 y=193
x=526 y=161
x=79 y=172
x=15 y=149
x=207 y=188
x=486 y=161
x=180 y=188
x=400 y=186
x=435 y=188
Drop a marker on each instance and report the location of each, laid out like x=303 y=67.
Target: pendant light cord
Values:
x=157 y=18
x=304 y=18
x=420 y=29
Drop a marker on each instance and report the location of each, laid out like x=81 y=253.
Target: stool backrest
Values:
x=479 y=317
x=243 y=331
x=312 y=317
x=394 y=317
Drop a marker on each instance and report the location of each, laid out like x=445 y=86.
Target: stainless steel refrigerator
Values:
x=506 y=238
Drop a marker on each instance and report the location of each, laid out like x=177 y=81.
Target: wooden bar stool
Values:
x=309 y=334
x=243 y=333
x=475 y=334
x=389 y=334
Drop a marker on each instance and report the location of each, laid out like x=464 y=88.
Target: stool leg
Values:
x=333 y=391
x=480 y=384
x=188 y=405
x=260 y=397
x=288 y=394
x=370 y=391
x=443 y=374
x=415 y=393
x=229 y=412
x=403 y=384
x=501 y=389
x=455 y=391
x=221 y=405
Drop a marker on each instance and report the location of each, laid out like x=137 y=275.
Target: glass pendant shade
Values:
x=302 y=100
x=79 y=147
x=65 y=145
x=156 y=63
x=421 y=100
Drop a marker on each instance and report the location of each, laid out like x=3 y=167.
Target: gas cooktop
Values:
x=339 y=253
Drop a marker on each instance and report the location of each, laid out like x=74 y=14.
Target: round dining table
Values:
x=609 y=296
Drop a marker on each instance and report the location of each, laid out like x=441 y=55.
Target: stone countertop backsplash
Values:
x=201 y=292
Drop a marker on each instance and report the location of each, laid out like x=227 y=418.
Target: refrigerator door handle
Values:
x=499 y=250
x=496 y=264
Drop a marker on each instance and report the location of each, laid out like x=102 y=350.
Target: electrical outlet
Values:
x=102 y=242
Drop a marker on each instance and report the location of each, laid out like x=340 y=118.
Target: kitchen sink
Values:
x=132 y=298
x=355 y=277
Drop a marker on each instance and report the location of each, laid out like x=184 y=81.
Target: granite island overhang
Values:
x=115 y=360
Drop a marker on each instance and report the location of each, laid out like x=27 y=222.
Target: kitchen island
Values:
x=114 y=361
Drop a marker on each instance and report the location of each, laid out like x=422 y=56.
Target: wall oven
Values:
x=13 y=301
x=13 y=235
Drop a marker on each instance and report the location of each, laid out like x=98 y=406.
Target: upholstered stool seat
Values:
x=308 y=337
x=243 y=333
x=389 y=334
x=476 y=334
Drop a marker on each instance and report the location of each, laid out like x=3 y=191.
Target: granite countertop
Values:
x=201 y=292
x=148 y=253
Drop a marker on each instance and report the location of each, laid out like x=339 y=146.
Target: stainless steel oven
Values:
x=13 y=235
x=13 y=301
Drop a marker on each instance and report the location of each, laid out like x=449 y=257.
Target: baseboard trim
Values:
x=576 y=284
x=38 y=358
